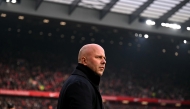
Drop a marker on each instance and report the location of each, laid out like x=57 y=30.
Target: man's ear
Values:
x=84 y=61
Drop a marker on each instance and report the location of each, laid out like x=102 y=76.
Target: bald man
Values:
x=81 y=89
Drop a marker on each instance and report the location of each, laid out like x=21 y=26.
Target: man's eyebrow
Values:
x=101 y=56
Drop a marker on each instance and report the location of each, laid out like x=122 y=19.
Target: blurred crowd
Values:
x=45 y=103
x=45 y=71
x=145 y=83
x=27 y=103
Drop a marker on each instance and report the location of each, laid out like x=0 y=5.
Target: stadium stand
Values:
x=144 y=70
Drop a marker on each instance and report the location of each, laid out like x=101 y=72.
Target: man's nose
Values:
x=103 y=61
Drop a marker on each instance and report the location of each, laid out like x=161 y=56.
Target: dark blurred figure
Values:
x=50 y=106
x=10 y=105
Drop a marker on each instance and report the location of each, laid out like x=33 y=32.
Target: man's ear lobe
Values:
x=84 y=60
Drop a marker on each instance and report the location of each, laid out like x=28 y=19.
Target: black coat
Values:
x=80 y=90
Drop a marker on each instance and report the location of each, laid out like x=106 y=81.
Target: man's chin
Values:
x=100 y=73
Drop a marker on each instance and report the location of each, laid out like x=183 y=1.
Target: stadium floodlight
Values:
x=163 y=24
x=20 y=17
x=167 y=25
x=140 y=35
x=163 y=50
x=62 y=23
x=177 y=46
x=136 y=35
x=175 y=26
x=146 y=36
x=170 y=25
x=184 y=41
x=188 y=28
x=188 y=51
x=46 y=21
x=176 y=53
x=3 y=15
x=150 y=22
x=13 y=1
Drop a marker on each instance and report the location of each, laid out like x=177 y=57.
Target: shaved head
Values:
x=87 y=50
x=92 y=56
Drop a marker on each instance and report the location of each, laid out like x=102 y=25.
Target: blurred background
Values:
x=147 y=45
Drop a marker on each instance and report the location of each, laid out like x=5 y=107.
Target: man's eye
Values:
x=99 y=57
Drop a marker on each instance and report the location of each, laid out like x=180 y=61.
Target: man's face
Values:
x=96 y=61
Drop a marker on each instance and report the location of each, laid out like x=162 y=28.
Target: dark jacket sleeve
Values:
x=79 y=96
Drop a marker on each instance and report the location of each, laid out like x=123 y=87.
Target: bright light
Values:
x=18 y=30
x=94 y=40
x=188 y=51
x=176 y=53
x=150 y=22
x=62 y=35
x=9 y=29
x=102 y=40
x=3 y=15
x=46 y=21
x=21 y=17
x=167 y=24
x=129 y=44
x=177 y=46
x=136 y=34
x=49 y=34
x=83 y=38
x=72 y=37
x=163 y=24
x=30 y=31
x=120 y=43
x=170 y=25
x=13 y=1
x=62 y=23
x=146 y=36
x=184 y=41
x=175 y=26
x=163 y=50
x=41 y=33
x=138 y=45
x=188 y=28
x=7 y=0
x=140 y=35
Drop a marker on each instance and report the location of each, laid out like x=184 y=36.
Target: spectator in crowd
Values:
x=10 y=105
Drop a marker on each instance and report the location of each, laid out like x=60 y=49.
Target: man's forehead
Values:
x=99 y=52
x=92 y=49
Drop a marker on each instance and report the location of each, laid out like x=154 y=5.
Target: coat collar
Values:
x=88 y=73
